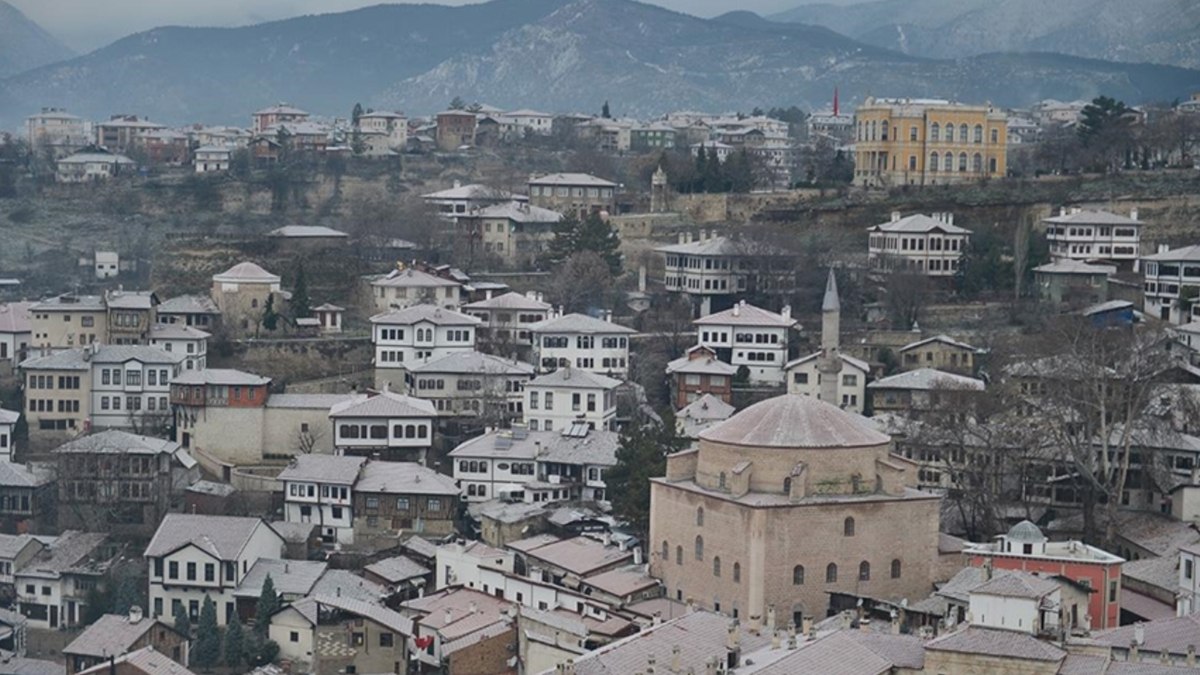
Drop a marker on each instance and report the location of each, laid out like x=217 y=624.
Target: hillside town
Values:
x=896 y=385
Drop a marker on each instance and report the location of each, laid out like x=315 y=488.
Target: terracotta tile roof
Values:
x=996 y=642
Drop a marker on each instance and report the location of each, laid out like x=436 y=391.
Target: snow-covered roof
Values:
x=918 y=223
x=744 y=314
x=578 y=323
x=428 y=314
x=927 y=378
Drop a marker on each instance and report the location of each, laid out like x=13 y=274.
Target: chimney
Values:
x=1139 y=633
x=135 y=614
x=1133 y=213
x=448 y=617
x=641 y=278
x=457 y=183
x=737 y=309
x=987 y=569
x=608 y=315
x=1133 y=650
x=637 y=555
x=806 y=624
x=895 y=216
x=771 y=618
x=651 y=661
x=1062 y=210
x=1191 y=656
x=472 y=608
x=710 y=666
x=1164 y=657
x=733 y=646
x=675 y=659
x=568 y=668
x=682 y=236
x=949 y=218
x=656 y=620
x=786 y=312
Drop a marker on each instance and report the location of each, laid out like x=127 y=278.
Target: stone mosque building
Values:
x=784 y=502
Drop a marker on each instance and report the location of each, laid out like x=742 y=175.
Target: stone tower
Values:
x=658 y=191
x=829 y=363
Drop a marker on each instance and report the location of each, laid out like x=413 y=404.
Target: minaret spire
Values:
x=829 y=363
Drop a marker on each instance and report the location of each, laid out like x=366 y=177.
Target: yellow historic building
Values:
x=927 y=142
x=784 y=502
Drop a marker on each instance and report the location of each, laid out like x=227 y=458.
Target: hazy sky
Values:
x=87 y=24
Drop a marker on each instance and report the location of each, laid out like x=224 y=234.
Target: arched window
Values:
x=678 y=555
x=737 y=573
x=978 y=133
x=864 y=571
x=787 y=485
x=798 y=575
x=883 y=128
x=963 y=133
x=699 y=547
x=948 y=162
x=935 y=132
x=977 y=163
x=934 y=158
x=949 y=133
x=717 y=566
x=830 y=573
x=995 y=135
x=896 y=568
x=873 y=127
x=848 y=527
x=700 y=516
x=962 y=161
x=666 y=552
x=254 y=302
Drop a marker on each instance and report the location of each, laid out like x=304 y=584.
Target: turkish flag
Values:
x=423 y=641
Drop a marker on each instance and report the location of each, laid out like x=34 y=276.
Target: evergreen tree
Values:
x=562 y=245
x=738 y=173
x=605 y=112
x=598 y=236
x=713 y=175
x=270 y=318
x=458 y=103
x=268 y=604
x=642 y=455
x=183 y=623
x=128 y=595
x=701 y=169
x=207 y=652
x=1102 y=114
x=301 y=304
x=235 y=642
x=356 y=114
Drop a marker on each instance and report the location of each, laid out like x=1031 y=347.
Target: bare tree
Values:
x=307 y=440
x=906 y=294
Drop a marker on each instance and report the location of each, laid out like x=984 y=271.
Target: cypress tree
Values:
x=208 y=636
x=235 y=642
x=301 y=304
x=183 y=623
x=268 y=604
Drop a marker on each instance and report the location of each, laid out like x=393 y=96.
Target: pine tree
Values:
x=301 y=304
x=268 y=604
x=183 y=623
x=598 y=236
x=207 y=652
x=457 y=103
x=270 y=318
x=701 y=169
x=642 y=455
x=127 y=595
x=562 y=245
x=235 y=642
x=605 y=112
x=356 y=114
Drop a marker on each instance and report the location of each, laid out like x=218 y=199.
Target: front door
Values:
x=54 y=616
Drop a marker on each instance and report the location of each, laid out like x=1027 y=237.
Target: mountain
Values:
x=23 y=43
x=1154 y=31
x=558 y=55
x=220 y=75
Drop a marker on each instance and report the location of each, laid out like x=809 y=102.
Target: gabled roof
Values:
x=140 y=353
x=396 y=569
x=925 y=379
x=944 y=339
x=71 y=302
x=571 y=179
x=997 y=642
x=188 y=304
x=513 y=301
x=918 y=223
x=223 y=537
x=1173 y=634
x=707 y=407
x=404 y=478
x=1016 y=584
x=96 y=157
x=383 y=404
x=709 y=365
x=745 y=314
x=579 y=323
x=9 y=416
x=289 y=577
x=857 y=364
x=176 y=331
x=246 y=273
x=19 y=475
x=473 y=191
x=1069 y=266
x=472 y=362
x=518 y=212
x=1184 y=254
x=118 y=442
x=306 y=231
x=67 y=359
x=795 y=421
x=574 y=378
x=226 y=376
x=281 y=109
x=380 y=615
x=111 y=635
x=11 y=545
x=411 y=278
x=1088 y=217
x=333 y=469
x=146 y=660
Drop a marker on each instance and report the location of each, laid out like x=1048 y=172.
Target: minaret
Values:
x=658 y=191
x=829 y=363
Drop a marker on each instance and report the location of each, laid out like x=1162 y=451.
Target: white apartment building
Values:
x=58 y=130
x=1171 y=277
x=419 y=334
x=16 y=331
x=317 y=489
x=462 y=199
x=8 y=442
x=536 y=466
x=532 y=121
x=582 y=342
x=391 y=125
x=472 y=384
x=181 y=339
x=506 y=318
x=131 y=385
x=408 y=287
x=209 y=158
x=749 y=336
x=1188 y=597
x=932 y=246
x=192 y=556
x=393 y=426
x=804 y=377
x=556 y=400
x=1080 y=234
